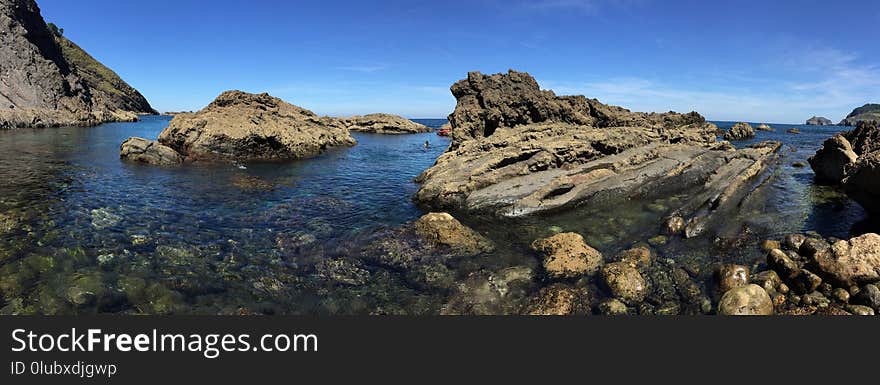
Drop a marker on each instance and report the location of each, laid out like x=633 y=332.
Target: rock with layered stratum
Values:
x=566 y=255
x=141 y=150
x=443 y=229
x=383 y=124
x=831 y=161
x=519 y=150
x=819 y=121
x=852 y=262
x=239 y=126
x=867 y=113
x=746 y=300
x=48 y=81
x=740 y=131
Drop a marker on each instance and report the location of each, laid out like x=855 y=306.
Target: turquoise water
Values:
x=82 y=232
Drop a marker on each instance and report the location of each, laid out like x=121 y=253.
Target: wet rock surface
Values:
x=150 y=152
x=443 y=229
x=746 y=300
x=852 y=160
x=566 y=255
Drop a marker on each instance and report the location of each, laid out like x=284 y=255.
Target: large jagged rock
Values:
x=238 y=126
x=867 y=113
x=852 y=159
x=48 y=81
x=856 y=261
x=518 y=150
x=740 y=131
x=147 y=151
x=819 y=121
x=383 y=124
x=832 y=160
x=566 y=255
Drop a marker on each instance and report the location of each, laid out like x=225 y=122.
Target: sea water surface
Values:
x=83 y=232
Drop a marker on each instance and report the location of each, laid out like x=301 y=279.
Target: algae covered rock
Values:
x=443 y=229
x=566 y=255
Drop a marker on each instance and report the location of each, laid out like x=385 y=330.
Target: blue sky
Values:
x=768 y=61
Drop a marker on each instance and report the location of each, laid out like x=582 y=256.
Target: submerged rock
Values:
x=746 y=300
x=625 y=282
x=566 y=255
x=238 y=126
x=560 y=300
x=147 y=151
x=832 y=160
x=383 y=124
x=740 y=131
x=443 y=229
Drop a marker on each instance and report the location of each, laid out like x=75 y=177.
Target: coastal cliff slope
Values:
x=867 y=113
x=48 y=81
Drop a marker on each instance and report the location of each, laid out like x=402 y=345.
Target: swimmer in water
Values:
x=427 y=144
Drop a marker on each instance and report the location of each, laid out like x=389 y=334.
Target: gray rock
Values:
x=832 y=160
x=746 y=300
x=150 y=152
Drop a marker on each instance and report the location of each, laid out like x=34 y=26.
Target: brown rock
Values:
x=768 y=280
x=566 y=255
x=146 y=151
x=241 y=126
x=832 y=160
x=856 y=261
x=732 y=276
x=740 y=131
x=384 y=124
x=443 y=229
x=768 y=245
x=640 y=257
x=746 y=300
x=782 y=264
x=560 y=300
x=625 y=282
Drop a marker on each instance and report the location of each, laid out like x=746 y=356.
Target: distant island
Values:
x=868 y=112
x=819 y=121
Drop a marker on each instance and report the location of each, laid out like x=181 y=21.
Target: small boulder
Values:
x=732 y=276
x=560 y=300
x=640 y=257
x=746 y=300
x=566 y=255
x=612 y=307
x=852 y=262
x=150 y=152
x=782 y=264
x=869 y=295
x=625 y=282
x=443 y=229
x=768 y=279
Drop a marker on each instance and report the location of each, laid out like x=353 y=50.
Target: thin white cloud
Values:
x=363 y=68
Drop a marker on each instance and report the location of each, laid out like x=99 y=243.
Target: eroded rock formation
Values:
x=852 y=160
x=520 y=150
x=240 y=126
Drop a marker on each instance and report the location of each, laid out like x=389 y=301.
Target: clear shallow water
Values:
x=83 y=232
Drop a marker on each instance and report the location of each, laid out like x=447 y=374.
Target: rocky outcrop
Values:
x=383 y=124
x=141 y=150
x=48 y=81
x=740 y=131
x=518 y=150
x=852 y=159
x=819 y=121
x=866 y=113
x=764 y=127
x=238 y=126
x=832 y=160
